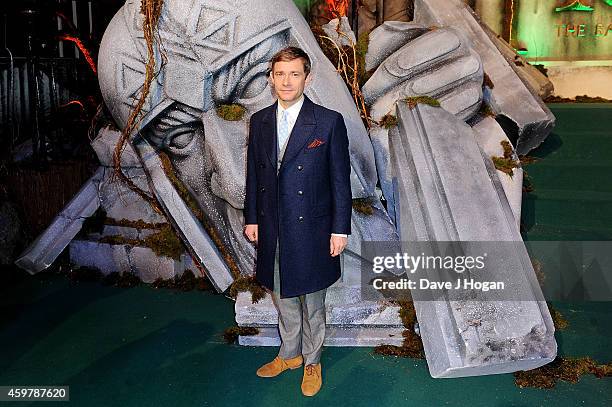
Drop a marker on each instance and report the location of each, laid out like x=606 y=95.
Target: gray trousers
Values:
x=301 y=321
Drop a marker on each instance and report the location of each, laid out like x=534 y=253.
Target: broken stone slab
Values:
x=41 y=253
x=531 y=120
x=190 y=229
x=439 y=63
x=344 y=306
x=446 y=194
x=350 y=320
x=334 y=336
x=340 y=32
x=489 y=136
x=123 y=258
x=107 y=258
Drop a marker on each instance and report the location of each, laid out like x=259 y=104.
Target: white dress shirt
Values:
x=292 y=114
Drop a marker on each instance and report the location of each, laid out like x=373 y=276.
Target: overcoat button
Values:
x=262 y=189
x=301 y=219
x=262 y=165
x=300 y=168
x=300 y=193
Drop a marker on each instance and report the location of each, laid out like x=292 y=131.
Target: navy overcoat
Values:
x=302 y=205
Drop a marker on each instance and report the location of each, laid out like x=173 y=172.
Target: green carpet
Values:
x=147 y=347
x=572 y=199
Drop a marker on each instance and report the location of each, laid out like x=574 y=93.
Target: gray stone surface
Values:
x=119 y=202
x=41 y=253
x=102 y=256
x=532 y=118
x=489 y=136
x=344 y=306
x=438 y=63
x=446 y=194
x=121 y=258
x=104 y=146
x=350 y=320
x=388 y=38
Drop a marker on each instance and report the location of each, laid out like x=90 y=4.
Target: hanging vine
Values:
x=151 y=10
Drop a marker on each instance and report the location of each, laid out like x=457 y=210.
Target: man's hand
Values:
x=337 y=245
x=251 y=232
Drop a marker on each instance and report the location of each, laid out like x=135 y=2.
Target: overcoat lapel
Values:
x=268 y=132
x=302 y=131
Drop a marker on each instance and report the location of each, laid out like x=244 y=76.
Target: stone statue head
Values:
x=213 y=54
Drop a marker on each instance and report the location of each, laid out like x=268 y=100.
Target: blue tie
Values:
x=283 y=130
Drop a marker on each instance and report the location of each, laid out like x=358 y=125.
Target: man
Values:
x=298 y=211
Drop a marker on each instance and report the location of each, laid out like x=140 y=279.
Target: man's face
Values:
x=289 y=80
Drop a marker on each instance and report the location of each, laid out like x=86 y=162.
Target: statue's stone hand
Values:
x=412 y=60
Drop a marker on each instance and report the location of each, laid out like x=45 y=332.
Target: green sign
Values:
x=563 y=31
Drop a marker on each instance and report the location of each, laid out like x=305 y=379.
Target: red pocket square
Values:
x=316 y=143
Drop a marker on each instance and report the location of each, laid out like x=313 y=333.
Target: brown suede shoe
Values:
x=279 y=365
x=312 y=381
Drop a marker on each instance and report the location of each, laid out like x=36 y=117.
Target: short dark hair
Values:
x=289 y=54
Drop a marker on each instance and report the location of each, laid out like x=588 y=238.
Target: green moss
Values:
x=412 y=101
x=506 y=163
x=388 y=121
x=136 y=224
x=232 y=112
x=566 y=369
x=558 y=319
x=119 y=239
x=412 y=346
x=364 y=205
x=165 y=243
x=231 y=334
x=247 y=283
x=361 y=49
x=486 y=111
x=185 y=282
x=526 y=159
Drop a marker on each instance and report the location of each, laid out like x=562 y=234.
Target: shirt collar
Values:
x=292 y=110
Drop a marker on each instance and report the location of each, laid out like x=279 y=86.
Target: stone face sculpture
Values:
x=215 y=54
